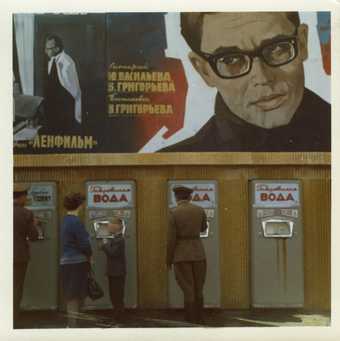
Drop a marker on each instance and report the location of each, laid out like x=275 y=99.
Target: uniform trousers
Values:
x=190 y=277
x=19 y=273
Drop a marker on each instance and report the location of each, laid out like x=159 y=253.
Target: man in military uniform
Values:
x=185 y=250
x=24 y=227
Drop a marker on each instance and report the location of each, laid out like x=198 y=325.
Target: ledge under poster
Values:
x=171 y=82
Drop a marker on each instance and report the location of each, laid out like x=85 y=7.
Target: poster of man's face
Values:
x=264 y=88
x=172 y=82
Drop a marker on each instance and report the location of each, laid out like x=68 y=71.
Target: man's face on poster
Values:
x=51 y=49
x=261 y=94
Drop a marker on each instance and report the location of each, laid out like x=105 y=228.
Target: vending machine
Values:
x=107 y=200
x=277 y=267
x=204 y=195
x=41 y=282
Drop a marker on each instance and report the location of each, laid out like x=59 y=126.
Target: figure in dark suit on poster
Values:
x=186 y=252
x=255 y=61
x=62 y=92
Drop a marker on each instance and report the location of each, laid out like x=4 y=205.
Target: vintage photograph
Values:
x=172 y=170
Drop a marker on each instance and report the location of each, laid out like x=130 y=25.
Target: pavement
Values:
x=174 y=318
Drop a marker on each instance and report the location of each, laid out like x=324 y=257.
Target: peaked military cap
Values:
x=20 y=187
x=182 y=190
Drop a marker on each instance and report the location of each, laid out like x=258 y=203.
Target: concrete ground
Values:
x=137 y=318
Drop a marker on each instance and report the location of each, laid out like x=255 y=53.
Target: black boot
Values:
x=190 y=308
x=119 y=313
x=199 y=311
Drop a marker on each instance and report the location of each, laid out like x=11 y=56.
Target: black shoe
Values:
x=199 y=311
x=190 y=312
x=119 y=315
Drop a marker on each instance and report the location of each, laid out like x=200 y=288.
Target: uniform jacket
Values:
x=114 y=249
x=68 y=78
x=186 y=221
x=23 y=228
x=308 y=130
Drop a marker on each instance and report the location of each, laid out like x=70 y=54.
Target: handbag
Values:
x=94 y=290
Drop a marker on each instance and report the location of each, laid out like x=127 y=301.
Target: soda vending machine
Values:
x=105 y=201
x=204 y=195
x=41 y=282
x=277 y=268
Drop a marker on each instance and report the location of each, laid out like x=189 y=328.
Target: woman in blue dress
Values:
x=75 y=258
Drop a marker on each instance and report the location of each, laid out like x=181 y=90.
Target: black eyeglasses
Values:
x=230 y=65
